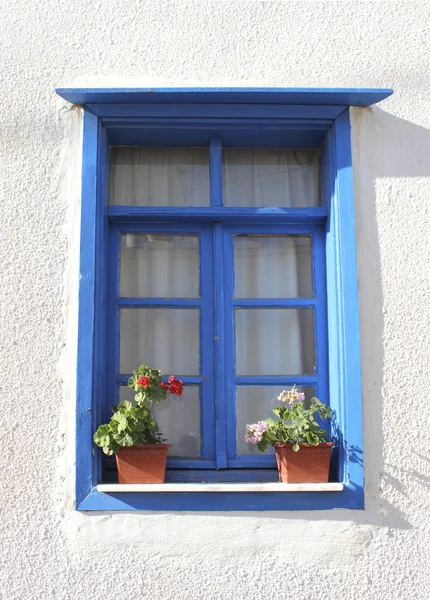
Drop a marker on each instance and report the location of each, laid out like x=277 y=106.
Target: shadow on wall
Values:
x=384 y=146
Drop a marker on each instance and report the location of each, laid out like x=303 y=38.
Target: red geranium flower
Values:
x=164 y=385
x=144 y=381
x=171 y=379
x=176 y=387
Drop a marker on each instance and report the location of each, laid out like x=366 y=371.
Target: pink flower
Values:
x=254 y=432
x=291 y=396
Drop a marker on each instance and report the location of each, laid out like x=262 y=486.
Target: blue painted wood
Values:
x=149 y=302
x=261 y=137
x=188 y=215
x=216 y=172
x=320 y=325
x=168 y=224
x=113 y=320
x=305 y=380
x=86 y=317
x=220 y=501
x=274 y=302
x=184 y=464
x=223 y=475
x=207 y=345
x=327 y=169
x=342 y=245
x=257 y=461
x=334 y=316
x=112 y=111
x=100 y=382
x=322 y=96
x=289 y=227
x=221 y=444
x=242 y=122
x=220 y=354
x=230 y=355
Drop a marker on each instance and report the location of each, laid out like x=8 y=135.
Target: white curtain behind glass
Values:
x=270 y=177
x=159 y=266
x=159 y=176
x=268 y=341
x=273 y=341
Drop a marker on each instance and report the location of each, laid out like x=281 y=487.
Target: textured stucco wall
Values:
x=51 y=552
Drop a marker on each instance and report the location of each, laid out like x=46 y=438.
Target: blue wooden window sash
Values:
x=204 y=303
x=342 y=331
x=217 y=386
x=317 y=304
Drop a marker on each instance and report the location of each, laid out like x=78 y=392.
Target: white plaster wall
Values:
x=49 y=551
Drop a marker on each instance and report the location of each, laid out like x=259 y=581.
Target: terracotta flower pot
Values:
x=142 y=464
x=309 y=465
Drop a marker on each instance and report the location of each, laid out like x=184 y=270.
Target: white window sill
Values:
x=220 y=487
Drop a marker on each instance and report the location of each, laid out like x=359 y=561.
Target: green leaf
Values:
x=125 y=439
x=121 y=420
x=262 y=445
x=299 y=421
x=125 y=405
x=312 y=438
x=296 y=447
x=111 y=448
x=102 y=436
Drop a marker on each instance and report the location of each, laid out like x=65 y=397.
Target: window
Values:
x=236 y=310
x=239 y=211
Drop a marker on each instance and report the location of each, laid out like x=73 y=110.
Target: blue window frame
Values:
x=244 y=118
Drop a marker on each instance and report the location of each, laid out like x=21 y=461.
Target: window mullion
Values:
x=207 y=350
x=215 y=172
x=220 y=365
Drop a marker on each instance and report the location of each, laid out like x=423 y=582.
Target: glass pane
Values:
x=159 y=266
x=159 y=176
x=255 y=403
x=162 y=338
x=271 y=177
x=179 y=420
x=274 y=341
x=272 y=266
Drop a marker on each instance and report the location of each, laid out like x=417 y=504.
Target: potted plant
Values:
x=132 y=433
x=302 y=454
